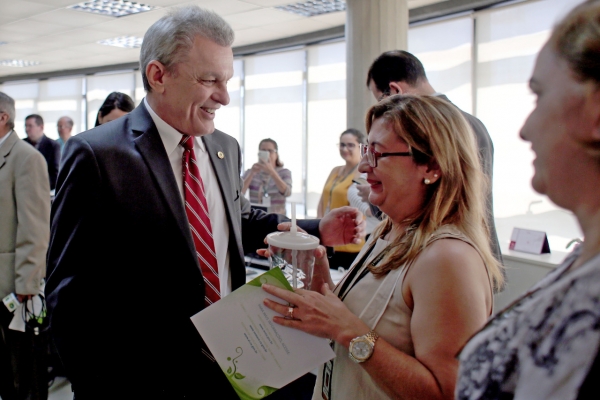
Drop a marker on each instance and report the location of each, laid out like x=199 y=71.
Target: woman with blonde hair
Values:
x=424 y=281
x=545 y=345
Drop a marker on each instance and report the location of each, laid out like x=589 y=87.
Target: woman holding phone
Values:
x=268 y=181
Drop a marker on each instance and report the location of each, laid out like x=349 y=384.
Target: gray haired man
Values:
x=24 y=235
x=150 y=226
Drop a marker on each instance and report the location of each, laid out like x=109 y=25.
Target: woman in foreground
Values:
x=423 y=283
x=545 y=344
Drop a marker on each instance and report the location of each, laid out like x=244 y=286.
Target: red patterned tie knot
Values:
x=187 y=142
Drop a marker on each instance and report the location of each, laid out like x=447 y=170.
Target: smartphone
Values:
x=263 y=155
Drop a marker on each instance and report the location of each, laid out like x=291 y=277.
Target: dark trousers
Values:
x=23 y=362
x=300 y=389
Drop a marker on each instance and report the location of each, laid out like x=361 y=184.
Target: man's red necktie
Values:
x=196 y=209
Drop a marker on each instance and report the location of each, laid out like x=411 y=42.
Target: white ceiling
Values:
x=63 y=39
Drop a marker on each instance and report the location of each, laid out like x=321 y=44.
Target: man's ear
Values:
x=155 y=73
x=395 y=88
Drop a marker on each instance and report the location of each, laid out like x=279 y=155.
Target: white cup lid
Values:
x=293 y=241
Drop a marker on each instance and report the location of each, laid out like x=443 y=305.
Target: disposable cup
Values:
x=294 y=253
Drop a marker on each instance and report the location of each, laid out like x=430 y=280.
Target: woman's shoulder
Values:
x=283 y=171
x=335 y=171
x=448 y=251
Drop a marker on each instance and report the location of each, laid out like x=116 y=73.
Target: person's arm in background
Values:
x=356 y=200
x=320 y=207
x=283 y=181
x=32 y=198
x=247 y=178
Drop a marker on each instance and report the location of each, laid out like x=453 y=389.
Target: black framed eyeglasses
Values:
x=373 y=156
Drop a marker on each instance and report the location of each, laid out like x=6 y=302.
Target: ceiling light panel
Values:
x=314 y=7
x=127 y=42
x=18 y=63
x=112 y=8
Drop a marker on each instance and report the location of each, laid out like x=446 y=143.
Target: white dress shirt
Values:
x=3 y=138
x=216 y=207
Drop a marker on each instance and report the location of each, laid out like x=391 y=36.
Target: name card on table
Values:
x=528 y=241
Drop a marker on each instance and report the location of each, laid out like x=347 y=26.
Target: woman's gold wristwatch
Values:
x=361 y=348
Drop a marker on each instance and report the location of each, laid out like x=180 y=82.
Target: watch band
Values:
x=370 y=338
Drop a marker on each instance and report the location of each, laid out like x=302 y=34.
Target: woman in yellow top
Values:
x=335 y=192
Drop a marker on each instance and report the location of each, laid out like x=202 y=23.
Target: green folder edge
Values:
x=281 y=282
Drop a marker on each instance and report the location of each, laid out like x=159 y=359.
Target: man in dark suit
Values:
x=50 y=149
x=400 y=72
x=126 y=272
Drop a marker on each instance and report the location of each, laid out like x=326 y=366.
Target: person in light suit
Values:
x=124 y=269
x=24 y=235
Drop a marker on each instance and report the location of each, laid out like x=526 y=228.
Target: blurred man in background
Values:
x=50 y=149
x=64 y=126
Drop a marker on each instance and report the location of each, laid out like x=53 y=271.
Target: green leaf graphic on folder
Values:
x=273 y=277
x=233 y=375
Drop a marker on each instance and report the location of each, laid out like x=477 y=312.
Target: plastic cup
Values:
x=294 y=253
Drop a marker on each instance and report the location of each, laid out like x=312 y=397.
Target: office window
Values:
x=445 y=49
x=25 y=95
x=274 y=98
x=58 y=98
x=508 y=40
x=227 y=118
x=326 y=116
x=99 y=86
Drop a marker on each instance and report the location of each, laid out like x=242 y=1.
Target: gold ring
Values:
x=291 y=312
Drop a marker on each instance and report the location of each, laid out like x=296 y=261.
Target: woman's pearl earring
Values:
x=426 y=181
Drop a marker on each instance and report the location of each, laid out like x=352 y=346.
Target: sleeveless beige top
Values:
x=379 y=303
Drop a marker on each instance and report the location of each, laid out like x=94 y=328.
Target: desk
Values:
x=523 y=270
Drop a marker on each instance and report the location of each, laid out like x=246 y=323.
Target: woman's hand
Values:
x=320 y=314
x=321 y=272
x=342 y=225
x=264 y=167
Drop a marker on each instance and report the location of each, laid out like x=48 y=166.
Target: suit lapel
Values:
x=149 y=144
x=214 y=148
x=7 y=146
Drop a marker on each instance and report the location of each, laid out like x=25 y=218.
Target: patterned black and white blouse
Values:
x=542 y=346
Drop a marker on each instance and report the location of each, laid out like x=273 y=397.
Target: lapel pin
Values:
x=220 y=154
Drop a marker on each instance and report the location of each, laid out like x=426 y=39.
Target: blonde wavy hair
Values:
x=437 y=133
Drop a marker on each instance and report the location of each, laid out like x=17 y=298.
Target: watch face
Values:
x=361 y=349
